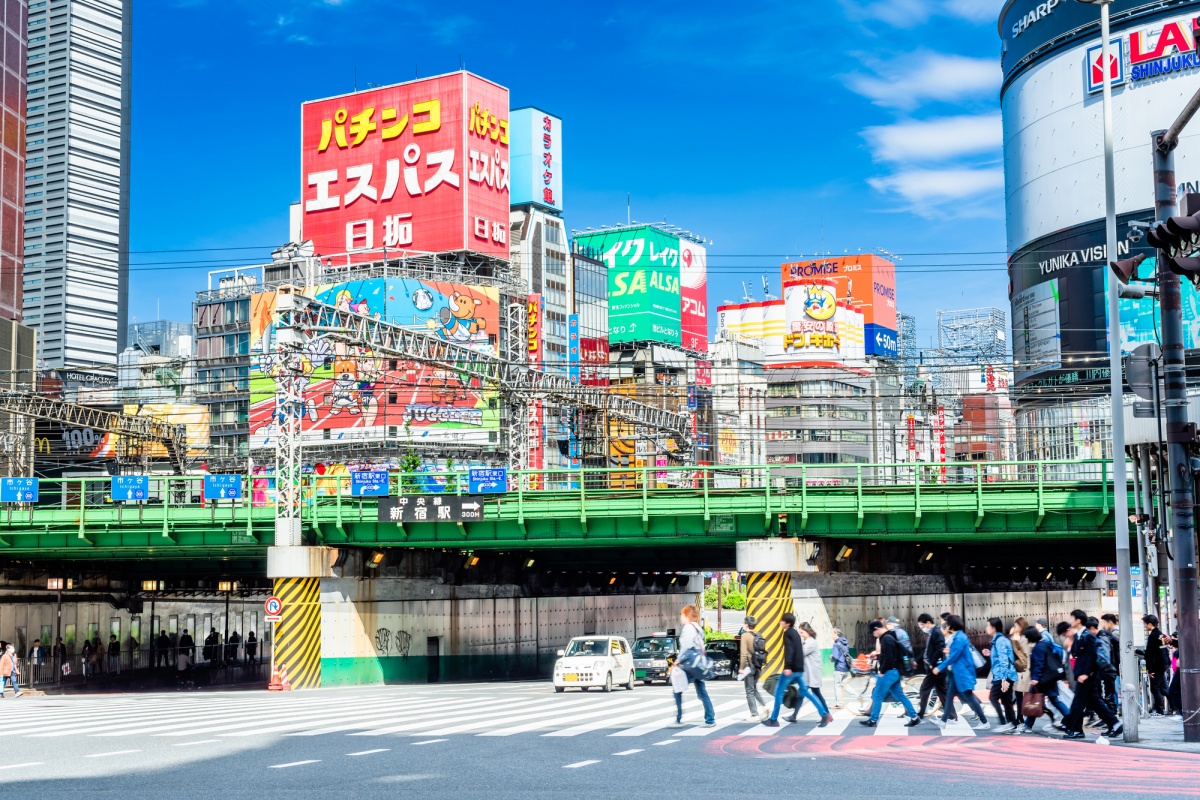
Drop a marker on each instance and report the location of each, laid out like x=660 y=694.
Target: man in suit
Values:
x=1084 y=648
x=935 y=651
x=1156 y=662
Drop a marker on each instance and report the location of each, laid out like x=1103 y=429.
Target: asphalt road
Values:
x=523 y=740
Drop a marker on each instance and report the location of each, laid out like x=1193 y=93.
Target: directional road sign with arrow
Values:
x=431 y=508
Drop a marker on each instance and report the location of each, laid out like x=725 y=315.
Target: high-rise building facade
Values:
x=77 y=179
x=12 y=157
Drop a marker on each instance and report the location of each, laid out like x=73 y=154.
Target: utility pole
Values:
x=1178 y=437
x=1130 y=680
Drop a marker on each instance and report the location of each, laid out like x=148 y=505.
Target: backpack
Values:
x=1020 y=657
x=758 y=658
x=1054 y=665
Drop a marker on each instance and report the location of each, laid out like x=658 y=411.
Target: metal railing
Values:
x=223 y=664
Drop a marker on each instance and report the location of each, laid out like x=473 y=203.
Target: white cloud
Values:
x=920 y=77
x=982 y=11
x=935 y=139
x=923 y=188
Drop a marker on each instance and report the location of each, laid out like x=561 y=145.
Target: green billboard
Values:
x=643 y=283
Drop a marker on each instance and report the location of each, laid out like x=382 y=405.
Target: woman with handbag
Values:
x=1045 y=671
x=961 y=660
x=692 y=661
x=1021 y=664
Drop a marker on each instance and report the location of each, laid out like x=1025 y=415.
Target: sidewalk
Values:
x=1163 y=733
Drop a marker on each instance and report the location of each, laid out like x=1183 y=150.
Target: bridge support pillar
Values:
x=768 y=565
x=297 y=574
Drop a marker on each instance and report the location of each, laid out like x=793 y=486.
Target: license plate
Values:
x=570 y=678
x=641 y=673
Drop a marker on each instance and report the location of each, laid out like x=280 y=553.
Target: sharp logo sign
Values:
x=1042 y=10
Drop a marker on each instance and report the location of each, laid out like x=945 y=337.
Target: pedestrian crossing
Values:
x=448 y=712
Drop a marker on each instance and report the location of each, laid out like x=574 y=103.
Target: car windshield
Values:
x=653 y=647
x=588 y=647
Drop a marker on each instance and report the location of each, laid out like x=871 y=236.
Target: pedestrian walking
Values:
x=752 y=658
x=1003 y=674
x=888 y=684
x=893 y=625
x=1156 y=663
x=692 y=638
x=231 y=648
x=10 y=671
x=1046 y=669
x=1085 y=649
x=813 y=667
x=793 y=673
x=251 y=648
x=1016 y=635
x=934 y=654
x=60 y=655
x=961 y=665
x=212 y=646
x=36 y=659
x=1043 y=629
x=840 y=656
x=1108 y=650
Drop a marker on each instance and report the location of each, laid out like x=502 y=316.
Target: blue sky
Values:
x=859 y=124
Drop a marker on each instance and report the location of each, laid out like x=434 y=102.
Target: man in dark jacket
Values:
x=1084 y=649
x=1156 y=662
x=888 y=664
x=793 y=672
x=1111 y=649
x=935 y=651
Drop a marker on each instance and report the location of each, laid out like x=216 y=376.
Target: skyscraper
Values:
x=12 y=156
x=77 y=179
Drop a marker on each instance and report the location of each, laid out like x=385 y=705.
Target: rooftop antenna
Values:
x=767 y=289
x=747 y=295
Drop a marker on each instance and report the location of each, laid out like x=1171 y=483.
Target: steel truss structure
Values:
x=515 y=380
x=133 y=430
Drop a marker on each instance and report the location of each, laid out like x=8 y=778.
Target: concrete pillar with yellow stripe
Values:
x=769 y=565
x=297 y=572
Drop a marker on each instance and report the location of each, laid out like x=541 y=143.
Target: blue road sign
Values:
x=488 y=480
x=222 y=487
x=369 y=484
x=129 y=488
x=19 y=490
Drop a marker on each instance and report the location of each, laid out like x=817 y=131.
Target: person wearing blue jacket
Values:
x=960 y=663
x=1004 y=674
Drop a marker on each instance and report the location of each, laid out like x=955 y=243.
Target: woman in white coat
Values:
x=813 y=666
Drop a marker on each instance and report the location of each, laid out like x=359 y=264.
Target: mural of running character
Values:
x=458 y=321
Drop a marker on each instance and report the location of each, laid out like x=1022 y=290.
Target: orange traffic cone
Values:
x=276 y=685
x=283 y=678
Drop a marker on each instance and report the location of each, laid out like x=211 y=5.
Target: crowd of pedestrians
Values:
x=1068 y=674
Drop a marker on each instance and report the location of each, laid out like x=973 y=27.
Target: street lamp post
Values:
x=1129 y=674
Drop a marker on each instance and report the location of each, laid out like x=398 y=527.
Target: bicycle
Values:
x=912 y=690
x=861 y=682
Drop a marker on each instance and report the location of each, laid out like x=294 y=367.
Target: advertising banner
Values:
x=1036 y=343
x=535 y=311
x=573 y=373
x=536 y=154
x=643 y=283
x=865 y=282
x=352 y=393
x=537 y=442
x=693 y=296
x=418 y=166
x=593 y=360
x=941 y=438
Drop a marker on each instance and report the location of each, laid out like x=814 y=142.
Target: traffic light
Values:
x=1179 y=240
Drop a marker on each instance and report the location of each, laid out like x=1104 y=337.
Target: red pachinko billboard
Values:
x=420 y=166
x=693 y=296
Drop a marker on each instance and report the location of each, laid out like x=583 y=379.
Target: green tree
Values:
x=451 y=480
x=409 y=464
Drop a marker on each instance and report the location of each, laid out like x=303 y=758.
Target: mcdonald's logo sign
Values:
x=41 y=444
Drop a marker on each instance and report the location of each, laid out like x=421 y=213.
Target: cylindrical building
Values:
x=1054 y=193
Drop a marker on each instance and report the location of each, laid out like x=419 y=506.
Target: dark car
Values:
x=653 y=656
x=725 y=654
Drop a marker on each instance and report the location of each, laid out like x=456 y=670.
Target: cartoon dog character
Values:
x=345 y=387
x=458 y=321
x=446 y=387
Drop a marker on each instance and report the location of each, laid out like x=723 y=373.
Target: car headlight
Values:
x=658 y=662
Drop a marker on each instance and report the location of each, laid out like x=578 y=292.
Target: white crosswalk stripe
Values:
x=446 y=712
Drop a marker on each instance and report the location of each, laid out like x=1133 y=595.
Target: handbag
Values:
x=696 y=663
x=679 y=680
x=1031 y=705
x=977 y=658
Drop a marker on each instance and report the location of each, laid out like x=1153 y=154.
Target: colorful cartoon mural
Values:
x=352 y=393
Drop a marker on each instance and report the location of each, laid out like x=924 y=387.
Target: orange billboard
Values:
x=868 y=282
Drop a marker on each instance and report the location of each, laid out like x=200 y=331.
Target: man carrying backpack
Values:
x=1089 y=662
x=753 y=659
x=891 y=655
